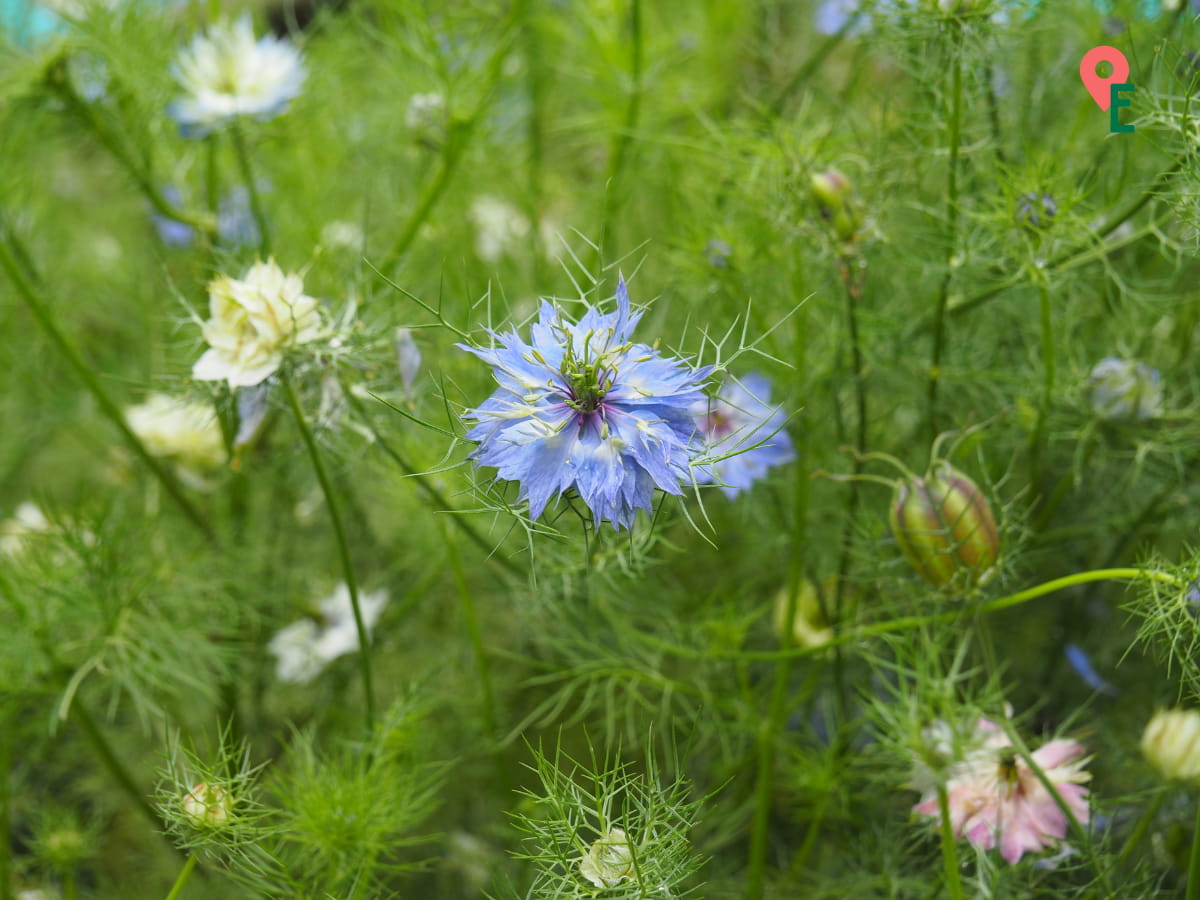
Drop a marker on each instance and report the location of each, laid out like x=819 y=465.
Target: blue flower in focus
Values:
x=583 y=407
x=740 y=425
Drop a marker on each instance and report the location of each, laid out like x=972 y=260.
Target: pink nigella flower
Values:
x=996 y=799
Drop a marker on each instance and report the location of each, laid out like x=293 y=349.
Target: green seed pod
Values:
x=945 y=527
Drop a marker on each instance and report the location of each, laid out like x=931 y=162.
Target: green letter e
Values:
x=1117 y=101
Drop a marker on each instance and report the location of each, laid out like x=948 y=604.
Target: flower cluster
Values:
x=583 y=407
x=996 y=799
x=252 y=322
x=226 y=74
x=304 y=648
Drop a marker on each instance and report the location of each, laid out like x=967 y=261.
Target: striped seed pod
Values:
x=945 y=527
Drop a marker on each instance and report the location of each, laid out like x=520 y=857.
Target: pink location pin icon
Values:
x=1099 y=87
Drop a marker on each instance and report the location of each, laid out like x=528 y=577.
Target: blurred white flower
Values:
x=253 y=321
x=304 y=648
x=226 y=73
x=27 y=520
x=342 y=235
x=426 y=119
x=1125 y=389
x=183 y=430
x=499 y=226
x=408 y=358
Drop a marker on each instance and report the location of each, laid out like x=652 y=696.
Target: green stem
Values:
x=624 y=137
x=811 y=64
x=112 y=762
x=1068 y=257
x=10 y=252
x=949 y=851
x=1193 y=882
x=7 y=714
x=431 y=492
x=476 y=637
x=457 y=139
x=69 y=887
x=908 y=623
x=1037 y=442
x=256 y=207
x=184 y=875
x=767 y=740
x=954 y=137
x=1143 y=825
x=60 y=82
x=343 y=545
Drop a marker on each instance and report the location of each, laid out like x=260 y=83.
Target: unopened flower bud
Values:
x=832 y=191
x=1036 y=210
x=608 y=861
x=945 y=527
x=809 y=626
x=1171 y=743
x=1125 y=390
x=208 y=805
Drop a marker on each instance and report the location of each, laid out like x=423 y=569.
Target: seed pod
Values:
x=945 y=527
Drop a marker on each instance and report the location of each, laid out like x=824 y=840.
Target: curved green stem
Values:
x=11 y=253
x=256 y=207
x=60 y=82
x=184 y=875
x=908 y=623
x=343 y=545
x=949 y=851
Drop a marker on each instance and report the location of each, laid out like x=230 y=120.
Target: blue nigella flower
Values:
x=583 y=407
x=741 y=425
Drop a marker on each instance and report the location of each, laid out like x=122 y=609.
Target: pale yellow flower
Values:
x=1171 y=743
x=183 y=430
x=253 y=322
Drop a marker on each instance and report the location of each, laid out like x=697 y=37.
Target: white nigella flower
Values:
x=608 y=861
x=304 y=648
x=27 y=520
x=225 y=73
x=253 y=322
x=181 y=429
x=499 y=226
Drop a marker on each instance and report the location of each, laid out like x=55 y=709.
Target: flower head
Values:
x=583 y=407
x=608 y=861
x=305 y=647
x=996 y=799
x=208 y=805
x=1125 y=390
x=252 y=322
x=226 y=73
x=181 y=429
x=1171 y=743
x=742 y=426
